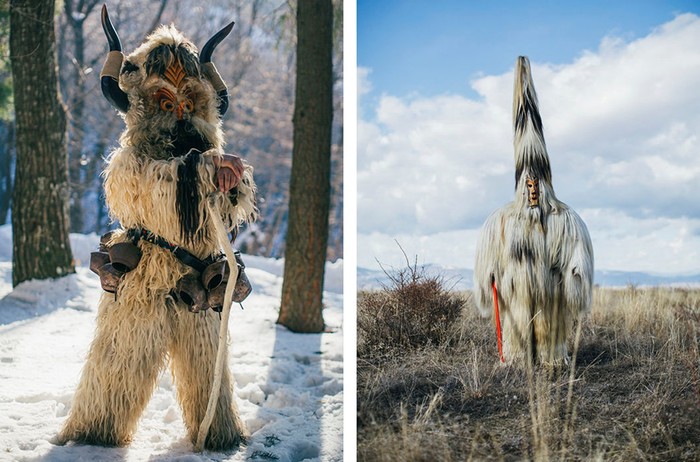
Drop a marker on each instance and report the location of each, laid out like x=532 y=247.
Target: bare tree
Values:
x=41 y=248
x=76 y=13
x=309 y=190
x=7 y=123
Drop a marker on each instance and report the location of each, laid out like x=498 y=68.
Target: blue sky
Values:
x=436 y=47
x=619 y=96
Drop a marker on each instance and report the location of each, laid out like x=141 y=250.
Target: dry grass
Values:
x=633 y=392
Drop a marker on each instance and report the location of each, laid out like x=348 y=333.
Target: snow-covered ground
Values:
x=289 y=386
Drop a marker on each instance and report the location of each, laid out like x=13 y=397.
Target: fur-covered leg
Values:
x=540 y=324
x=552 y=331
x=193 y=352
x=559 y=330
x=550 y=335
x=517 y=332
x=123 y=363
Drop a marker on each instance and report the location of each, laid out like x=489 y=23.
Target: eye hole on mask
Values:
x=166 y=99
x=167 y=105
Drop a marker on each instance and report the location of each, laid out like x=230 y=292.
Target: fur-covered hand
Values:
x=229 y=171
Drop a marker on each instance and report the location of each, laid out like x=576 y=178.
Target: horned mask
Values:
x=166 y=90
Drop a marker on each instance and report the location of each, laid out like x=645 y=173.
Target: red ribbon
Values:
x=498 y=321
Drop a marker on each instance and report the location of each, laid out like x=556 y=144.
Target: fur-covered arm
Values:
x=486 y=268
x=239 y=205
x=577 y=266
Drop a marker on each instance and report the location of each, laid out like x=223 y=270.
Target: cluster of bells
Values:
x=111 y=263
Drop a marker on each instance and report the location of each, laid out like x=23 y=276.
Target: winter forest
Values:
x=257 y=61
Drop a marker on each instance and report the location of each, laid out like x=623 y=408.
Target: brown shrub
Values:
x=413 y=311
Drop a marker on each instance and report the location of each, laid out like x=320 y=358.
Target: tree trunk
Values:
x=41 y=248
x=76 y=13
x=309 y=189
x=75 y=147
x=7 y=146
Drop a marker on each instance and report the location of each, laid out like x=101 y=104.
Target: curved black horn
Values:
x=223 y=101
x=212 y=43
x=112 y=37
x=205 y=57
x=110 y=85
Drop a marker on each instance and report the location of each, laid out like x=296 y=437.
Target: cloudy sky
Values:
x=619 y=90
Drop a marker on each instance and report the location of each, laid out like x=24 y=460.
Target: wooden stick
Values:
x=498 y=322
x=223 y=329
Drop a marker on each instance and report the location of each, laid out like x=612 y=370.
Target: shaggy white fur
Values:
x=141 y=328
x=540 y=257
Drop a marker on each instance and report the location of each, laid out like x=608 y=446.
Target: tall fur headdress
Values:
x=530 y=149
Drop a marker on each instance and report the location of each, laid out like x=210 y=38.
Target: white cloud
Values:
x=621 y=125
x=364 y=86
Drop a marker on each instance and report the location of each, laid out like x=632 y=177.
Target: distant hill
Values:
x=461 y=278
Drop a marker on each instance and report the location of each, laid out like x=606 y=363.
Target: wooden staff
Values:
x=498 y=321
x=223 y=329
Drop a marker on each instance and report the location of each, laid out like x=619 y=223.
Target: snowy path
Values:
x=289 y=386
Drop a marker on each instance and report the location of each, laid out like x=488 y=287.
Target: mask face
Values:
x=181 y=106
x=533 y=191
x=170 y=94
x=173 y=97
x=173 y=107
x=178 y=109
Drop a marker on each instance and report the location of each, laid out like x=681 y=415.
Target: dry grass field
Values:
x=430 y=387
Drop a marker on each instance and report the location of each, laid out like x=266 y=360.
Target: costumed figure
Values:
x=534 y=258
x=163 y=269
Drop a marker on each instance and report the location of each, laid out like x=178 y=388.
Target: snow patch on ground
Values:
x=289 y=386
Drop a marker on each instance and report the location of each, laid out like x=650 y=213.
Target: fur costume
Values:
x=535 y=249
x=158 y=179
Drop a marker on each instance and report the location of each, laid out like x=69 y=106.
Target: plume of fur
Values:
x=530 y=149
x=540 y=257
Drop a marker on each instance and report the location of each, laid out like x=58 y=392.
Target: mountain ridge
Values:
x=461 y=278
